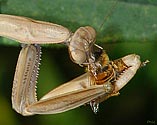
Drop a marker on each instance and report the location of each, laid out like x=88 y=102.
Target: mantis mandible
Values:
x=104 y=77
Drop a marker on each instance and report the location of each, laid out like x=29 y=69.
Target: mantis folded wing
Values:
x=67 y=96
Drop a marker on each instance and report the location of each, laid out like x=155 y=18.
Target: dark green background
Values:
x=131 y=28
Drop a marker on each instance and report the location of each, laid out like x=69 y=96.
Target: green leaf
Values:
x=130 y=20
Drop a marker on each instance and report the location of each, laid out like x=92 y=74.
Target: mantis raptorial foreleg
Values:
x=24 y=91
x=24 y=88
x=69 y=95
x=29 y=31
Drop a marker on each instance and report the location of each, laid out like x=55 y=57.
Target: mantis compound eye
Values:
x=81 y=44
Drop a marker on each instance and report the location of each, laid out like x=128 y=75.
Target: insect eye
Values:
x=97 y=52
x=78 y=56
x=105 y=68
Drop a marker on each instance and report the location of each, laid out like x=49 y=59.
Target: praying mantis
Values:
x=104 y=78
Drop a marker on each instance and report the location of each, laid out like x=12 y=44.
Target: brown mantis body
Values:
x=104 y=77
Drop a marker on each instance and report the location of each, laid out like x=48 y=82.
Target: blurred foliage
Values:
x=131 y=28
x=131 y=20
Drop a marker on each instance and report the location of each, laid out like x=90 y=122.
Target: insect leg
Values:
x=24 y=84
